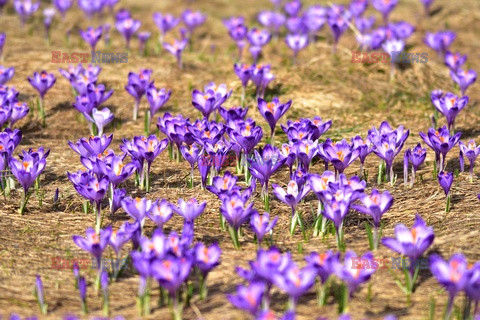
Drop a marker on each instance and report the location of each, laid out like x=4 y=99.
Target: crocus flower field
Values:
x=239 y=159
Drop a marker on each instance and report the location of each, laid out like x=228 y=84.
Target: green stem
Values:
x=98 y=219
x=234 y=235
x=203 y=287
x=447 y=206
x=23 y=201
x=147 y=122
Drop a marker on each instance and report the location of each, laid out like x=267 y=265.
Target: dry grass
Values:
x=354 y=96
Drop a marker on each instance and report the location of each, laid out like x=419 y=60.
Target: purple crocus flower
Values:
x=118 y=238
x=471 y=151
x=191 y=154
x=171 y=273
x=100 y=118
x=358 y=7
x=92 y=36
x=262 y=225
x=48 y=14
x=91 y=188
x=387 y=146
x=336 y=210
x=82 y=288
x=441 y=142
x=306 y=150
x=63 y=6
x=193 y=19
x=338 y=20
x=364 y=25
x=157 y=98
x=25 y=8
x=127 y=27
x=137 y=208
x=248 y=298
x=232 y=114
x=39 y=294
x=265 y=164
x=234 y=210
x=449 y=105
x=472 y=287
x=353 y=277
x=340 y=154
x=416 y=157
x=222 y=186
x=292 y=8
x=375 y=205
x=233 y=22
x=218 y=153
x=272 y=112
x=384 y=7
x=314 y=18
x=149 y=148
x=160 y=212
x=440 y=41
x=165 y=22
x=261 y=76
x=452 y=275
x=204 y=168
x=6 y=74
x=239 y=34
x=137 y=86
x=97 y=94
x=91 y=146
x=176 y=49
x=258 y=38
x=364 y=148
x=209 y=100
x=246 y=134
x=118 y=196
x=322 y=263
x=455 y=60
x=206 y=259
x=296 y=42
x=446 y=180
x=292 y=196
x=5 y=113
x=26 y=171
x=42 y=82
x=393 y=47
x=3 y=37
x=426 y=5
x=91 y=7
x=19 y=111
x=190 y=209
x=295 y=282
x=104 y=286
x=464 y=78
x=142 y=40
x=271 y=20
x=411 y=243
x=94 y=243
x=117 y=171
x=243 y=73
